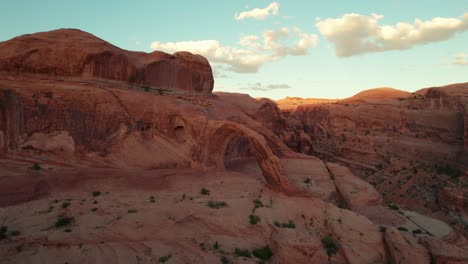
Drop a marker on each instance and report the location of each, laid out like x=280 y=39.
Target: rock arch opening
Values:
x=239 y=156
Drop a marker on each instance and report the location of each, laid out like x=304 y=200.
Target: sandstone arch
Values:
x=224 y=132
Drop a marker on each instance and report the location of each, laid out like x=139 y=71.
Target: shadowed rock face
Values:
x=70 y=52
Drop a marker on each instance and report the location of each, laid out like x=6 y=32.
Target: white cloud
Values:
x=460 y=59
x=251 y=53
x=260 y=13
x=354 y=34
x=261 y=87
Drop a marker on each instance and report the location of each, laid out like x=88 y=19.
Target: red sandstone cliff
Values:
x=71 y=52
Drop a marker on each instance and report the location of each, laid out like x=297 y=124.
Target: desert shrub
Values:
x=382 y=229
x=224 y=260
x=417 y=231
x=254 y=219
x=204 y=191
x=263 y=253
x=402 y=228
x=65 y=204
x=94 y=209
x=3 y=232
x=448 y=170
x=96 y=193
x=132 y=211
x=216 y=245
x=242 y=253
x=393 y=206
x=36 y=166
x=216 y=204
x=258 y=203
x=278 y=224
x=307 y=181
x=164 y=259
x=63 y=221
x=289 y=224
x=330 y=245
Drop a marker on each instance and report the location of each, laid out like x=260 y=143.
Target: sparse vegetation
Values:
x=95 y=202
x=63 y=221
x=165 y=259
x=96 y=193
x=132 y=211
x=215 y=245
x=36 y=167
x=65 y=204
x=402 y=228
x=289 y=224
x=330 y=245
x=216 y=204
x=417 y=231
x=258 y=203
x=224 y=260
x=3 y=232
x=242 y=253
x=307 y=181
x=152 y=199
x=94 y=209
x=393 y=207
x=204 y=191
x=382 y=229
x=254 y=219
x=263 y=253
x=448 y=170
x=15 y=233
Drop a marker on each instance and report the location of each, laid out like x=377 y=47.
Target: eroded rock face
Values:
x=74 y=53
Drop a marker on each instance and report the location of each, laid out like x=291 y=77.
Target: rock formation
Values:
x=74 y=53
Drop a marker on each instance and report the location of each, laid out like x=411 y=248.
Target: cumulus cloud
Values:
x=261 y=87
x=354 y=34
x=259 y=13
x=460 y=59
x=252 y=51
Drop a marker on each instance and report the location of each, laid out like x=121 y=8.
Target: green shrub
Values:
x=402 y=228
x=254 y=219
x=3 y=232
x=307 y=181
x=382 y=229
x=417 y=231
x=204 y=191
x=224 y=260
x=63 y=221
x=258 y=203
x=289 y=224
x=330 y=245
x=94 y=209
x=216 y=204
x=65 y=204
x=164 y=259
x=448 y=170
x=132 y=211
x=263 y=253
x=216 y=245
x=96 y=193
x=36 y=166
x=278 y=224
x=242 y=253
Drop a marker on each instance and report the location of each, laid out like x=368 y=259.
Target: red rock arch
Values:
x=222 y=134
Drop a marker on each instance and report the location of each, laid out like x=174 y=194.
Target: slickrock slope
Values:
x=71 y=52
x=94 y=169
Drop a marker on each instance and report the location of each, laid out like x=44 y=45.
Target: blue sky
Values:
x=330 y=49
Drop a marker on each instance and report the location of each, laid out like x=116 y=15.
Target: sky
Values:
x=304 y=48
